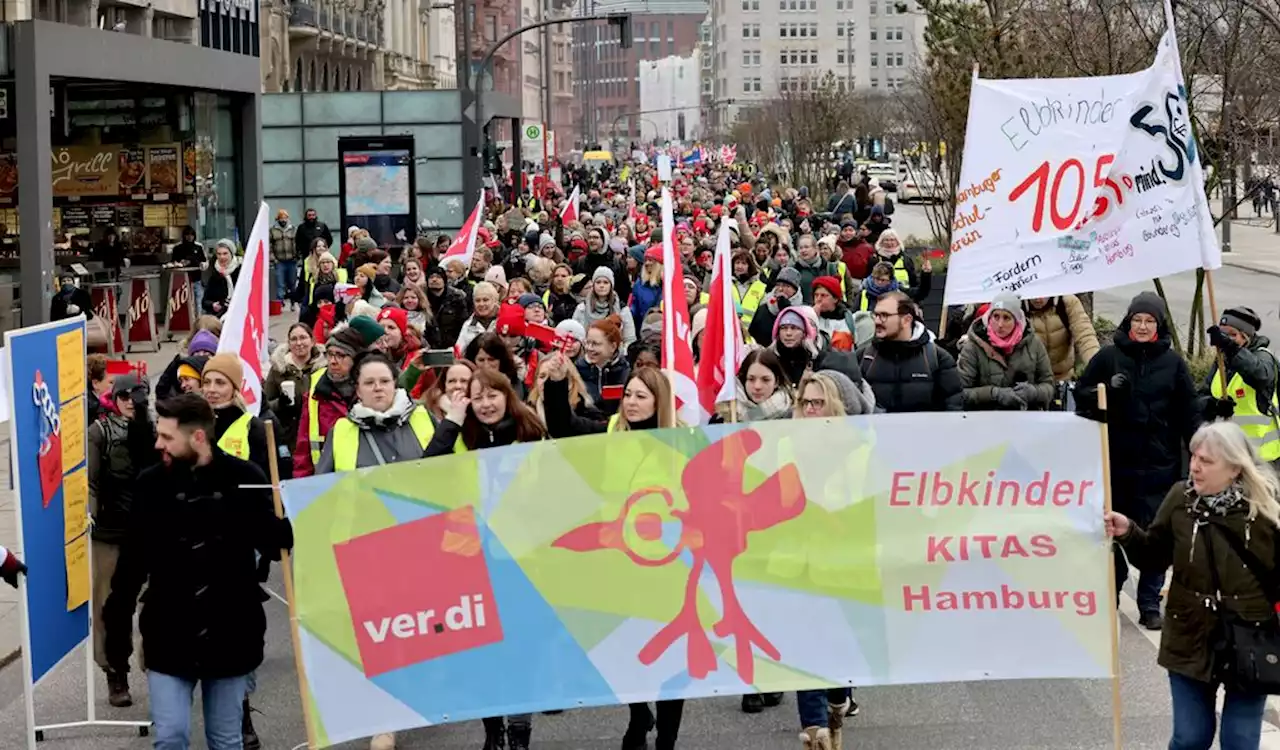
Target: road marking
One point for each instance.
(1129, 608)
(276, 596)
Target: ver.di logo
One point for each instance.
(1169, 121)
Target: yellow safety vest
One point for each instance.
(346, 438)
(311, 283)
(235, 441)
(613, 424)
(751, 301)
(313, 418)
(899, 271)
(1263, 430)
(864, 300)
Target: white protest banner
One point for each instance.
(1077, 184)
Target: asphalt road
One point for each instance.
(1044, 714)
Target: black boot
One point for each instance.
(772, 699)
(118, 689)
(250, 735)
(752, 703)
(637, 735)
(518, 736)
(495, 735)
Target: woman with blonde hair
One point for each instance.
(827, 393)
(579, 399)
(1218, 531)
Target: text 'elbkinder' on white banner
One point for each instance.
(1077, 184)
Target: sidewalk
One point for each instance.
(1253, 247)
(10, 617)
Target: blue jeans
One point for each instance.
(197, 294)
(1194, 718)
(814, 705)
(286, 278)
(171, 711)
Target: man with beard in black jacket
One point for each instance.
(907, 370)
(307, 232)
(1151, 413)
(196, 523)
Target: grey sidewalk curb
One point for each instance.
(1245, 265)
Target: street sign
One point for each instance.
(533, 132)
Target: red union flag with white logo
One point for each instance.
(722, 346)
(244, 327)
(677, 349)
(570, 210)
(464, 243)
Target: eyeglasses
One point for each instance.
(815, 404)
(883, 316)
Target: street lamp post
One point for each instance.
(621, 20)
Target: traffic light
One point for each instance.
(492, 158)
(623, 22)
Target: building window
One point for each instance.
(888, 7)
(872, 8)
(875, 59)
(875, 83)
(755, 58)
(874, 32)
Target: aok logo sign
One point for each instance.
(418, 591)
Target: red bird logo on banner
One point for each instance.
(714, 531)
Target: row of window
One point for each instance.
(798, 57)
(810, 31)
(802, 6)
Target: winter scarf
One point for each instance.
(226, 271)
(1007, 343)
(796, 300)
(777, 406)
(401, 408)
(1219, 503)
(876, 291)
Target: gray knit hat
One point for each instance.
(849, 394)
(790, 276)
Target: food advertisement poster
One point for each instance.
(164, 170)
(133, 168)
(85, 171)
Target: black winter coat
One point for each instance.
(560, 307)
(1149, 419)
(588, 264)
(192, 537)
(614, 372)
(914, 375)
(217, 290)
(119, 449)
(258, 453)
(450, 310)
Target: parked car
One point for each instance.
(885, 174)
(924, 187)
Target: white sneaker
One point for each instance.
(385, 741)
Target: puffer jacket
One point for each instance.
(596, 378)
(983, 369)
(1064, 328)
(119, 449)
(644, 297)
(390, 429)
(450, 310)
(473, 329)
(1186, 643)
(587, 313)
(912, 375)
(284, 369)
(1149, 420)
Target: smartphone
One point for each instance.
(611, 392)
(438, 358)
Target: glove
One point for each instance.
(11, 568)
(1027, 393)
(1222, 342)
(1119, 382)
(1008, 398)
(1223, 408)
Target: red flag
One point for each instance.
(244, 327)
(722, 345)
(464, 243)
(677, 350)
(634, 212)
(570, 211)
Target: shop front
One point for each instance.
(116, 144)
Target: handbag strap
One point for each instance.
(1265, 578)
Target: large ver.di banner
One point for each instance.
(1078, 184)
(701, 561)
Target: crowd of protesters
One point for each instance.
(554, 329)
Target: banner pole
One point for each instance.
(286, 569)
(1213, 314)
(1111, 577)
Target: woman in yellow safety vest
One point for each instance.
(647, 404)
(1251, 380)
(237, 432)
(748, 289)
(913, 282)
(325, 273)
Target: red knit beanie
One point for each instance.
(510, 321)
(397, 316)
(830, 283)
